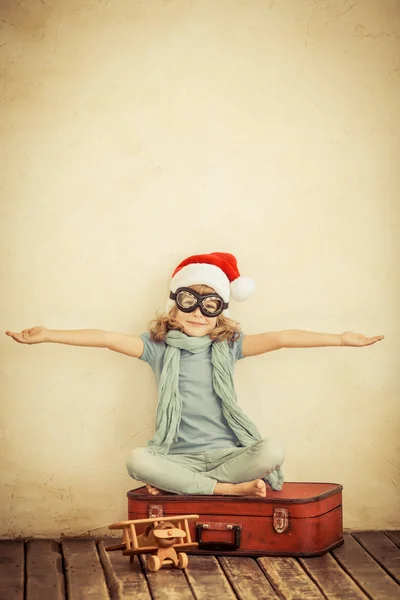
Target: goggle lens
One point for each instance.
(212, 305)
(186, 300)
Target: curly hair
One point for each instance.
(225, 328)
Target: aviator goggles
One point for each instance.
(187, 300)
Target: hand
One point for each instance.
(34, 335)
(349, 338)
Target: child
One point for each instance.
(203, 443)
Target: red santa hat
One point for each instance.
(218, 270)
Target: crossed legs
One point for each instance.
(238, 472)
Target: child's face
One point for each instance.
(194, 323)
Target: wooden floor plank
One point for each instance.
(207, 579)
(44, 571)
(394, 536)
(12, 568)
(334, 582)
(84, 572)
(246, 578)
(168, 582)
(366, 566)
(126, 580)
(289, 579)
(365, 571)
(382, 549)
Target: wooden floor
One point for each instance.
(366, 566)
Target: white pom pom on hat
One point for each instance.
(218, 270)
(242, 288)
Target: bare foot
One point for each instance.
(257, 488)
(152, 490)
(253, 488)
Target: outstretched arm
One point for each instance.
(292, 338)
(96, 338)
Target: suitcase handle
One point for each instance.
(218, 546)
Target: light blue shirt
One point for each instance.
(203, 426)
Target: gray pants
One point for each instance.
(198, 473)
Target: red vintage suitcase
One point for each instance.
(304, 519)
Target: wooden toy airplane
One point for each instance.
(160, 539)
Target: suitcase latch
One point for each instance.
(280, 519)
(156, 510)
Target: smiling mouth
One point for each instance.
(195, 324)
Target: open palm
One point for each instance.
(33, 335)
(349, 338)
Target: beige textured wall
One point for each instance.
(136, 133)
